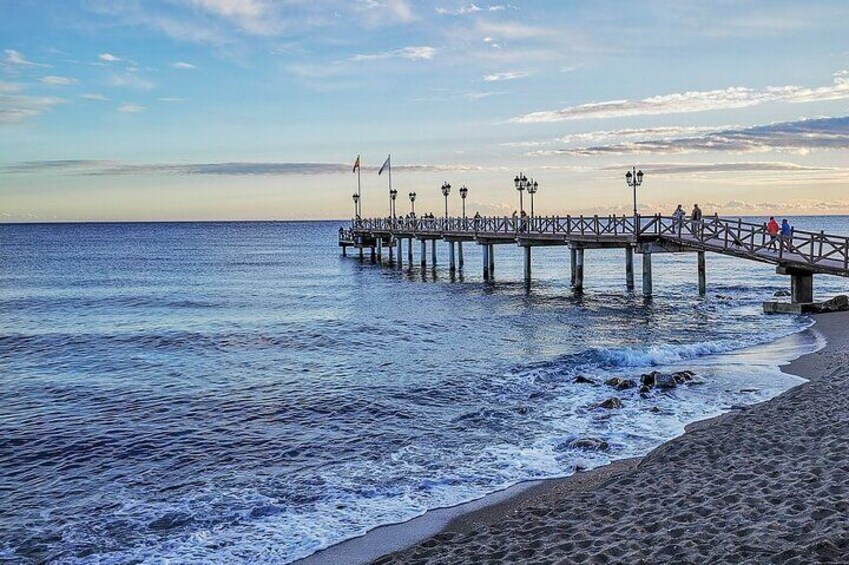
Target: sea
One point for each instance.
(239, 392)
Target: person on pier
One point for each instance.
(695, 219)
(772, 229)
(678, 216)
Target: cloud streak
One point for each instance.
(117, 168)
(801, 136)
(412, 53)
(693, 101)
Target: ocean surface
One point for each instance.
(241, 393)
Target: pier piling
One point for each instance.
(424, 253)
(433, 253)
(629, 267)
(485, 262)
(579, 269)
(460, 254)
(379, 244)
(491, 259)
(702, 274)
(410, 251)
(527, 249)
(451, 265)
(647, 282)
(573, 263)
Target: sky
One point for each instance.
(142, 110)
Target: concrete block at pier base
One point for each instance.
(771, 307)
(839, 303)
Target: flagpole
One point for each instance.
(359, 192)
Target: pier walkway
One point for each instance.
(800, 255)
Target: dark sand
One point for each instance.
(767, 484)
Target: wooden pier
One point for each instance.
(800, 255)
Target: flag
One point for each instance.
(356, 164)
(385, 164)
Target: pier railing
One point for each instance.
(732, 236)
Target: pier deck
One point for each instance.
(800, 255)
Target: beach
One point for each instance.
(768, 483)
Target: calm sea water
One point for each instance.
(240, 393)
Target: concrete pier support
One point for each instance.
(579, 270)
(491, 259)
(424, 253)
(527, 250)
(702, 274)
(372, 254)
(801, 284)
(647, 282)
(629, 267)
(573, 263)
(451, 265)
(485, 262)
(361, 253)
(400, 252)
(379, 244)
(410, 251)
(391, 247)
(433, 253)
(460, 255)
(344, 251)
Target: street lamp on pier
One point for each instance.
(634, 178)
(413, 203)
(463, 193)
(392, 195)
(532, 187)
(356, 205)
(521, 183)
(446, 190)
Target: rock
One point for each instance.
(723, 297)
(589, 444)
(681, 377)
(619, 383)
(611, 403)
(645, 389)
(649, 379)
(581, 379)
(839, 303)
(662, 380)
(655, 410)
(781, 293)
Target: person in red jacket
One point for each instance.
(772, 229)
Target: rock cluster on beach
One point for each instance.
(656, 379)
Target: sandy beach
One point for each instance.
(765, 484)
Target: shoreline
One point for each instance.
(392, 540)
(768, 482)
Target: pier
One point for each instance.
(799, 256)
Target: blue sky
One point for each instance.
(255, 109)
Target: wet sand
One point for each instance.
(765, 484)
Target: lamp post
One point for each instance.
(532, 187)
(392, 195)
(463, 193)
(413, 203)
(521, 183)
(634, 178)
(446, 190)
(356, 205)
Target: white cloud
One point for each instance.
(52, 80)
(171, 100)
(693, 101)
(93, 96)
(183, 65)
(131, 108)
(413, 53)
(16, 58)
(18, 107)
(10, 87)
(108, 57)
(130, 80)
(470, 9)
(506, 76)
